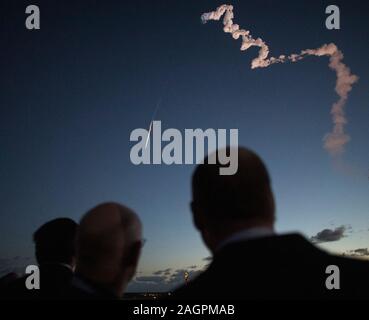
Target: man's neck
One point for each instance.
(90, 284)
(61, 264)
(245, 234)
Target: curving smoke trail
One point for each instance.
(334, 141)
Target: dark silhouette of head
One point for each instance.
(109, 245)
(55, 242)
(225, 204)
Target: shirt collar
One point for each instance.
(79, 281)
(58, 264)
(247, 234)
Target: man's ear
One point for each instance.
(197, 216)
(73, 263)
(134, 254)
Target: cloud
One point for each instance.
(330, 235)
(145, 286)
(178, 275)
(165, 282)
(155, 279)
(208, 258)
(160, 272)
(361, 252)
(15, 264)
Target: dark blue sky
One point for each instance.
(73, 91)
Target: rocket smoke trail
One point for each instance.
(334, 142)
(152, 119)
(148, 134)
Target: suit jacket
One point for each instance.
(54, 280)
(276, 267)
(82, 288)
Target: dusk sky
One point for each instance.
(73, 91)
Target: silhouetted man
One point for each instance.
(235, 215)
(108, 246)
(55, 250)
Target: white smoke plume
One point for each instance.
(334, 142)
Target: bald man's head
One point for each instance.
(109, 241)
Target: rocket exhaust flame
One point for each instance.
(334, 142)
